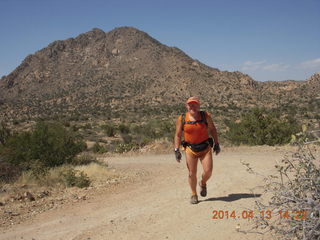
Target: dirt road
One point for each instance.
(156, 206)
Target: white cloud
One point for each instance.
(276, 67)
(262, 65)
(251, 65)
(314, 63)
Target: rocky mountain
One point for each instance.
(126, 72)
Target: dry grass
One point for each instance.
(97, 172)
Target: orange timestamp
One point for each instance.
(263, 214)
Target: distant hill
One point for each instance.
(125, 72)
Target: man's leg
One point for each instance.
(206, 162)
(192, 163)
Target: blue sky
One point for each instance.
(269, 40)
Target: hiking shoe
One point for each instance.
(203, 189)
(194, 199)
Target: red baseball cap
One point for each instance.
(193, 100)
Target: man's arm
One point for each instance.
(212, 129)
(177, 139)
(178, 135)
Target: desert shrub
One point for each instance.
(74, 178)
(142, 140)
(97, 148)
(4, 133)
(15, 122)
(136, 129)
(8, 171)
(294, 195)
(87, 126)
(167, 129)
(124, 129)
(66, 123)
(83, 159)
(48, 145)
(137, 135)
(109, 129)
(54, 145)
(75, 128)
(38, 169)
(150, 130)
(259, 127)
(16, 151)
(123, 147)
(126, 138)
(155, 129)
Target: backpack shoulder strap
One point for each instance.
(204, 117)
(183, 120)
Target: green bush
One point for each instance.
(4, 133)
(17, 150)
(87, 126)
(122, 147)
(124, 129)
(97, 148)
(258, 127)
(109, 130)
(8, 171)
(155, 129)
(48, 145)
(38, 169)
(137, 135)
(74, 178)
(126, 138)
(83, 159)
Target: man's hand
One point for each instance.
(216, 148)
(178, 154)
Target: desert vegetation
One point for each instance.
(60, 145)
(291, 209)
(261, 127)
(48, 145)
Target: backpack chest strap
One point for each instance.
(194, 122)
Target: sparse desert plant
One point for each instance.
(98, 172)
(8, 171)
(68, 176)
(75, 178)
(123, 147)
(97, 148)
(127, 139)
(293, 207)
(4, 133)
(109, 129)
(124, 129)
(83, 159)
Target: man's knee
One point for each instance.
(207, 172)
(192, 174)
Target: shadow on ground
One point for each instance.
(233, 197)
